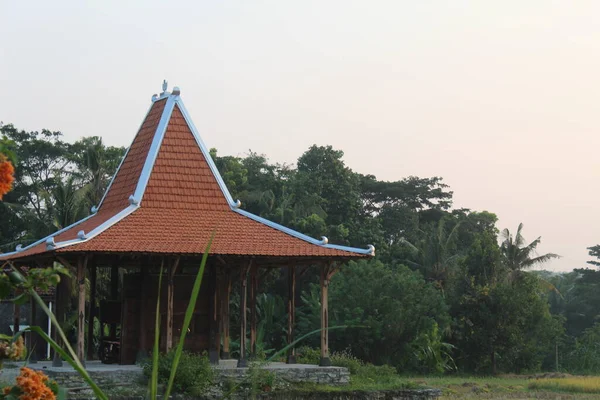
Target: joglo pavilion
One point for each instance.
(161, 208)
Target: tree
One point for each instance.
(517, 256)
(594, 251)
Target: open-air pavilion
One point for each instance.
(164, 203)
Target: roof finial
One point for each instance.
(164, 85)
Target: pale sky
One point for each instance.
(500, 98)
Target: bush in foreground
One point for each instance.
(194, 374)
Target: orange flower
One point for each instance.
(33, 385)
(6, 175)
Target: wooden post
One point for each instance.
(242, 362)
(213, 322)
(253, 316)
(325, 276)
(225, 315)
(291, 356)
(16, 316)
(92, 311)
(32, 335)
(60, 297)
(81, 265)
(114, 295)
(170, 296)
(142, 353)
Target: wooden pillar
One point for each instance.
(170, 299)
(325, 361)
(225, 315)
(61, 295)
(32, 335)
(92, 311)
(213, 322)
(242, 362)
(142, 353)
(114, 295)
(81, 265)
(16, 316)
(291, 308)
(253, 316)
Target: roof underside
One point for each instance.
(181, 202)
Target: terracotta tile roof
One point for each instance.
(183, 202)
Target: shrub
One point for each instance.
(194, 374)
(308, 355)
(347, 360)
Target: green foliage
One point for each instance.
(433, 354)
(390, 306)
(194, 374)
(584, 358)
(594, 251)
(345, 359)
(308, 355)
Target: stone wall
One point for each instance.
(323, 375)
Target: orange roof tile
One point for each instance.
(168, 197)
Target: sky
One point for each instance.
(501, 99)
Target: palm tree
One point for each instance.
(436, 254)
(518, 256)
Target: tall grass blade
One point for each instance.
(154, 378)
(71, 356)
(188, 318)
(73, 362)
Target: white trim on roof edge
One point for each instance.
(85, 236)
(97, 207)
(188, 119)
(20, 248)
(159, 135)
(235, 205)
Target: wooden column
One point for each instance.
(32, 335)
(225, 315)
(327, 272)
(81, 265)
(213, 322)
(16, 316)
(114, 294)
(242, 362)
(170, 298)
(291, 308)
(92, 311)
(61, 296)
(253, 316)
(142, 352)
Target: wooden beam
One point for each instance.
(291, 309)
(325, 361)
(92, 311)
(242, 362)
(225, 315)
(170, 298)
(81, 266)
(253, 316)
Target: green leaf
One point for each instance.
(188, 317)
(73, 362)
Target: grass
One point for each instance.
(574, 384)
(511, 387)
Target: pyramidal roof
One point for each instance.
(167, 196)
